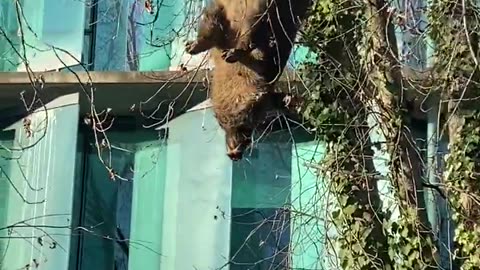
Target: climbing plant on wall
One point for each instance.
(339, 117)
(455, 29)
(358, 73)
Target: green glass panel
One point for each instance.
(6, 143)
(147, 207)
(77, 201)
(263, 180)
(311, 202)
(157, 37)
(265, 188)
(41, 30)
(9, 47)
(40, 182)
(111, 35)
(188, 31)
(196, 229)
(261, 199)
(123, 226)
(100, 215)
(260, 239)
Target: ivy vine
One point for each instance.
(368, 237)
(455, 30)
(464, 186)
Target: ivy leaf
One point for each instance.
(348, 211)
(407, 248)
(404, 232)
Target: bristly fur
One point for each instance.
(250, 48)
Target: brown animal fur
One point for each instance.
(239, 35)
(256, 33)
(240, 103)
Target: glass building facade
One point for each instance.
(103, 35)
(176, 202)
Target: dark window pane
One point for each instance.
(121, 228)
(260, 238)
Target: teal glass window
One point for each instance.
(275, 194)
(9, 58)
(131, 39)
(122, 217)
(260, 228)
(6, 143)
(36, 185)
(39, 23)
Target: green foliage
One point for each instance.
(335, 114)
(368, 239)
(337, 33)
(454, 50)
(409, 246)
(454, 30)
(463, 182)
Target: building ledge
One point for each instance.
(123, 92)
(99, 77)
